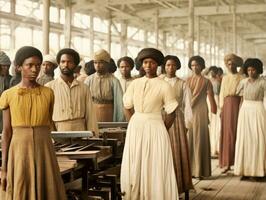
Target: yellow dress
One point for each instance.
(32, 171)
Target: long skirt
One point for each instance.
(229, 117)
(32, 171)
(147, 171)
(104, 112)
(215, 128)
(250, 156)
(179, 144)
(199, 141)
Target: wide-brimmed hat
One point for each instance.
(153, 53)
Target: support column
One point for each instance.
(156, 25)
(210, 43)
(146, 43)
(225, 43)
(234, 24)
(109, 34)
(214, 44)
(205, 48)
(123, 39)
(190, 28)
(13, 27)
(91, 36)
(32, 35)
(198, 35)
(185, 56)
(67, 27)
(45, 26)
(58, 34)
(165, 42)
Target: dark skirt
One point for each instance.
(179, 144)
(229, 117)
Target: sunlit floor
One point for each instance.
(227, 187)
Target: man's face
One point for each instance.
(5, 70)
(67, 65)
(100, 66)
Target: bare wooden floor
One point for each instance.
(227, 187)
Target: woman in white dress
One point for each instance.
(250, 155)
(147, 170)
(215, 120)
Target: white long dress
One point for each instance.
(215, 120)
(250, 154)
(147, 171)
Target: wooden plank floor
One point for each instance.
(227, 187)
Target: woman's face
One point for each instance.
(31, 68)
(125, 69)
(252, 72)
(150, 67)
(196, 68)
(170, 68)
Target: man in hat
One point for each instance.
(229, 102)
(73, 108)
(48, 66)
(105, 90)
(5, 77)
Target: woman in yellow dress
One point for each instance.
(29, 166)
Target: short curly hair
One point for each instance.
(255, 63)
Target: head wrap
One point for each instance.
(127, 59)
(102, 55)
(26, 52)
(50, 58)
(171, 57)
(4, 59)
(255, 63)
(153, 53)
(70, 52)
(238, 61)
(199, 60)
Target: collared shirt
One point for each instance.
(125, 83)
(229, 86)
(150, 95)
(253, 91)
(73, 102)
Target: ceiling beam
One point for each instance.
(206, 10)
(255, 36)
